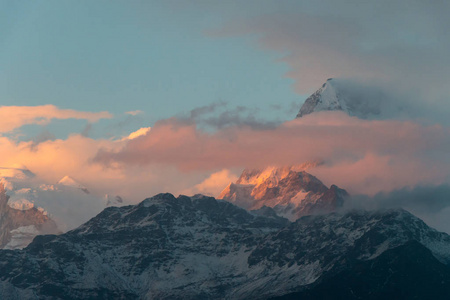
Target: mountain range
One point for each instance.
(202, 248)
(27, 203)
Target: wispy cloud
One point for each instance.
(218, 115)
(134, 112)
(135, 134)
(12, 117)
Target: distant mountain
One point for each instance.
(291, 192)
(67, 202)
(18, 227)
(365, 102)
(325, 98)
(202, 248)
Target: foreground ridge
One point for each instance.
(170, 247)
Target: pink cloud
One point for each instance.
(359, 154)
(53, 159)
(12, 117)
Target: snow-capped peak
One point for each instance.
(328, 97)
(70, 182)
(362, 100)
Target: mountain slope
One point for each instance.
(292, 193)
(201, 248)
(409, 271)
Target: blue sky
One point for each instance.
(123, 56)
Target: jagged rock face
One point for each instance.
(19, 227)
(201, 248)
(291, 193)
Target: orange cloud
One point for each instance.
(213, 185)
(140, 132)
(12, 117)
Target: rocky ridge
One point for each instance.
(202, 248)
